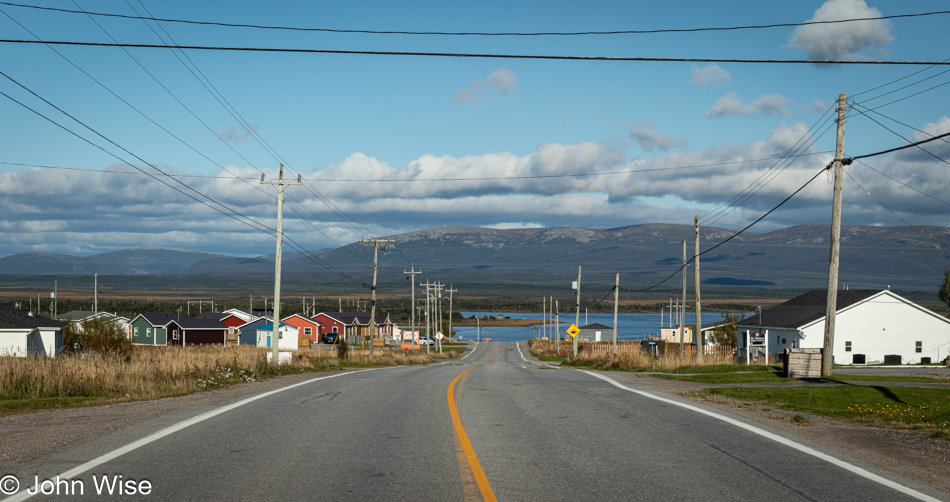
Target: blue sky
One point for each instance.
(441, 126)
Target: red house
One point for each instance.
(232, 322)
(308, 327)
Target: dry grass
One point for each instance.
(154, 372)
(630, 357)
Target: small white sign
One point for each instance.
(439, 336)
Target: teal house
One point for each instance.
(150, 328)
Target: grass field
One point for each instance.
(924, 409)
(774, 374)
(29, 383)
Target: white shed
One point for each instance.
(24, 334)
(869, 324)
(288, 336)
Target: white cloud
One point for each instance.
(842, 41)
(500, 82)
(732, 104)
(586, 184)
(708, 75)
(649, 139)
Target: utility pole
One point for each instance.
(544, 317)
(438, 307)
(577, 317)
(450, 291)
(557, 326)
(699, 308)
(616, 308)
(827, 351)
(95, 289)
(275, 338)
(427, 285)
(55, 298)
(412, 313)
(372, 314)
(683, 311)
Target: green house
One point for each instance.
(149, 328)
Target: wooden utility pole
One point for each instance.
(450, 291)
(616, 308)
(412, 277)
(683, 308)
(699, 310)
(544, 317)
(427, 285)
(372, 312)
(275, 338)
(557, 326)
(827, 352)
(95, 289)
(577, 317)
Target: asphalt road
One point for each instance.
(488, 426)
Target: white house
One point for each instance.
(288, 336)
(79, 317)
(25, 334)
(869, 324)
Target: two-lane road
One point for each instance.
(489, 425)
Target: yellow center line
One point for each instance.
(470, 458)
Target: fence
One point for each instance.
(659, 349)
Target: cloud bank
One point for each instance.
(843, 41)
(587, 184)
(499, 83)
(732, 104)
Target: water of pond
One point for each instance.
(629, 326)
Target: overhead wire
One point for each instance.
(489, 34)
(480, 55)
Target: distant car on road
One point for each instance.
(426, 341)
(330, 337)
(486, 339)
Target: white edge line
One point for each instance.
(518, 345)
(118, 452)
(779, 439)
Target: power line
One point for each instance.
(476, 55)
(485, 34)
(848, 160)
(940, 244)
(894, 81)
(902, 137)
(733, 236)
(905, 184)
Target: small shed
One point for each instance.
(247, 333)
(595, 332)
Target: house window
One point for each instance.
(307, 331)
(148, 332)
(334, 329)
(847, 346)
(919, 347)
(174, 334)
(135, 332)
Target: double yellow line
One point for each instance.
(469, 466)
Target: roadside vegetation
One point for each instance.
(630, 358)
(100, 368)
(921, 409)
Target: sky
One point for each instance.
(387, 144)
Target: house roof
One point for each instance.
(77, 315)
(270, 327)
(192, 323)
(303, 318)
(11, 318)
(595, 326)
(217, 316)
(806, 308)
(348, 318)
(162, 318)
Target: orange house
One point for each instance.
(309, 328)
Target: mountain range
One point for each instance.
(794, 257)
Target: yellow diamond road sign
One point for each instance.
(573, 330)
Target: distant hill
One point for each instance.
(791, 258)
